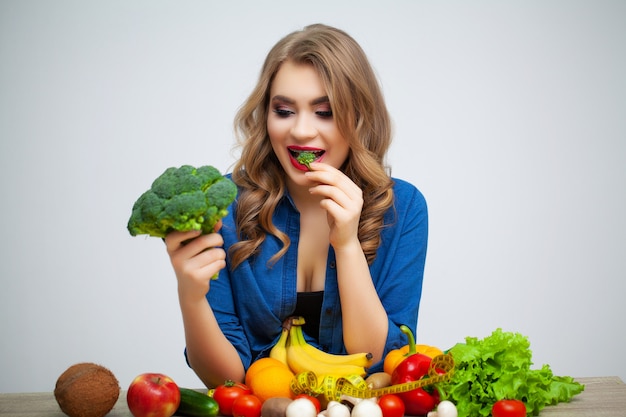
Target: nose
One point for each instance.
(304, 127)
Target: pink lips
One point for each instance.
(294, 151)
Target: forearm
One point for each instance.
(365, 322)
(211, 355)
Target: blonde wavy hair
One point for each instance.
(361, 116)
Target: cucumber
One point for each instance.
(196, 404)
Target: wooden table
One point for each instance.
(602, 397)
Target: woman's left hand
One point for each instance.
(343, 201)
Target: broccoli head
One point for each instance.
(305, 158)
(183, 199)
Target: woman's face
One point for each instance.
(300, 119)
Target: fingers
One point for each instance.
(203, 265)
(193, 242)
(195, 258)
(174, 240)
(336, 186)
(343, 201)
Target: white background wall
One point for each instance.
(509, 116)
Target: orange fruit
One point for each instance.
(272, 381)
(260, 364)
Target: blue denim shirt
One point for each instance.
(251, 302)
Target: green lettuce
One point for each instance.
(499, 367)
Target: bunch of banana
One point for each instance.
(279, 350)
(293, 350)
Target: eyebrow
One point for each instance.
(284, 99)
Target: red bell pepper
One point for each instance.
(417, 402)
(396, 356)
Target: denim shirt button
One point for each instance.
(328, 311)
(332, 265)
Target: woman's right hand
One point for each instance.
(196, 258)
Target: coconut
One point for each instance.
(87, 390)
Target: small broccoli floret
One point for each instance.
(175, 181)
(184, 211)
(208, 175)
(146, 211)
(182, 199)
(220, 194)
(305, 158)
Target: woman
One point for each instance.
(339, 242)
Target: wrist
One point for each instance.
(191, 298)
(352, 247)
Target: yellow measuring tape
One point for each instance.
(333, 387)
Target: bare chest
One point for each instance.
(312, 258)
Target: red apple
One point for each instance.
(153, 395)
